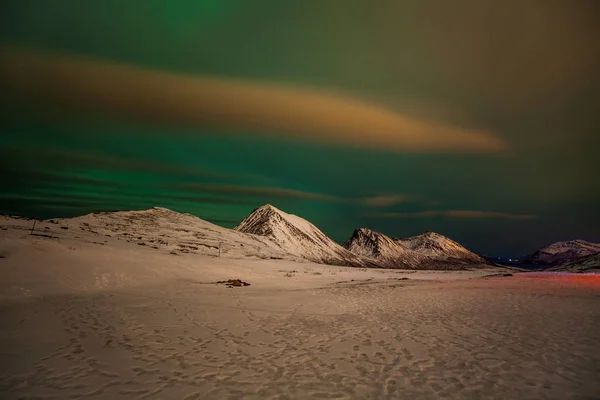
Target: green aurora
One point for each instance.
(525, 72)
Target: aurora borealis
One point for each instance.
(474, 119)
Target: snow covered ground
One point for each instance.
(85, 315)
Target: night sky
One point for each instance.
(476, 119)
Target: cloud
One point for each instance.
(386, 200)
(457, 214)
(276, 192)
(139, 94)
(258, 191)
(72, 159)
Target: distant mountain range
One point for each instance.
(269, 233)
(563, 252)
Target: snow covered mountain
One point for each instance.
(562, 252)
(385, 250)
(164, 229)
(427, 251)
(298, 237)
(269, 233)
(590, 263)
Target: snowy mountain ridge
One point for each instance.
(298, 237)
(380, 247)
(164, 229)
(434, 244)
(269, 233)
(562, 252)
(427, 251)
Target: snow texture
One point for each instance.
(87, 315)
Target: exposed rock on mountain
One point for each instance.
(590, 263)
(387, 251)
(298, 237)
(427, 251)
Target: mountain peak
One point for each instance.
(161, 210)
(296, 236)
(369, 243)
(428, 250)
(574, 242)
(565, 251)
(364, 232)
(268, 207)
(431, 235)
(432, 242)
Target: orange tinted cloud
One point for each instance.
(259, 191)
(458, 214)
(267, 109)
(386, 200)
(279, 192)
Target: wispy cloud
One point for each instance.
(266, 192)
(64, 171)
(268, 109)
(71, 159)
(386, 200)
(456, 214)
(257, 191)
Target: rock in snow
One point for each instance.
(563, 252)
